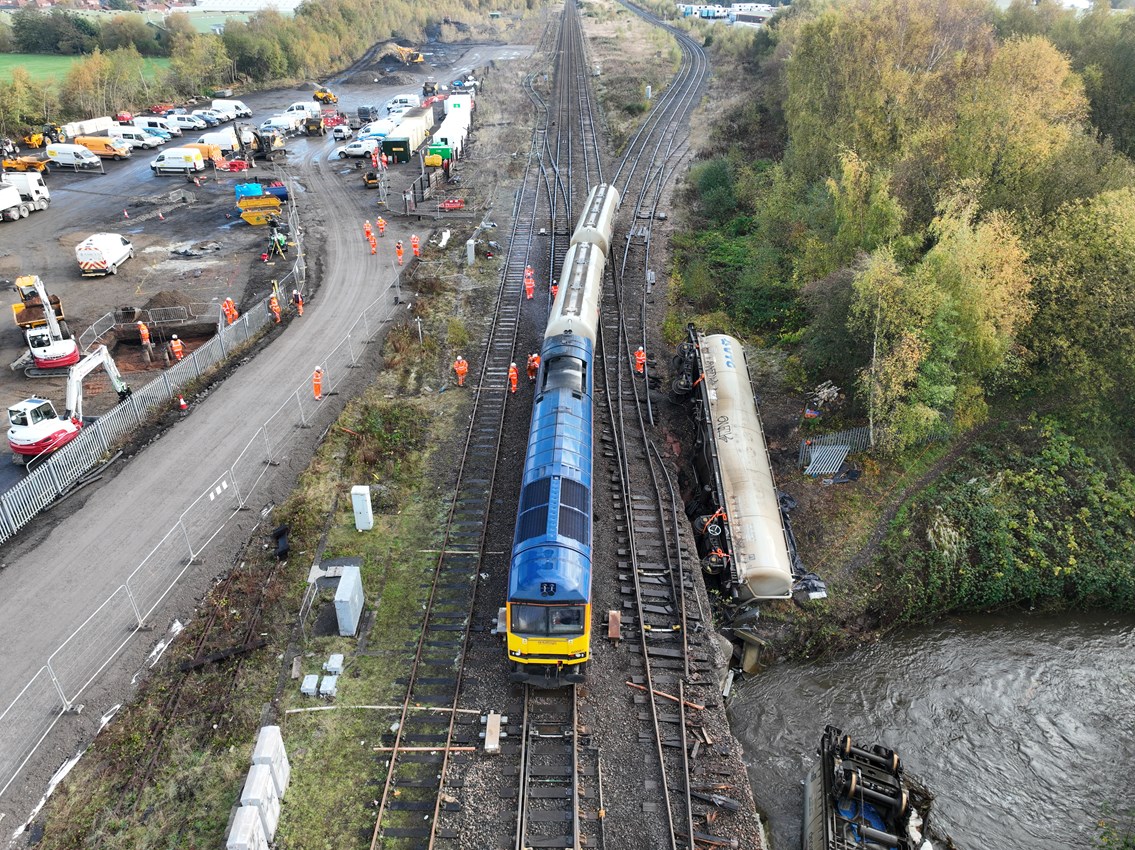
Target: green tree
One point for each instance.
(1083, 333)
(1016, 118)
(199, 62)
(129, 31)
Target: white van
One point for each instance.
(408, 101)
(307, 108)
(31, 186)
(235, 107)
(181, 160)
(187, 122)
(144, 122)
(286, 124)
(377, 129)
(73, 156)
(225, 139)
(103, 253)
(133, 137)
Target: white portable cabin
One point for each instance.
(415, 127)
(260, 794)
(269, 750)
(246, 832)
(463, 101)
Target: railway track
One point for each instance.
(560, 802)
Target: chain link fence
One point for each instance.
(78, 661)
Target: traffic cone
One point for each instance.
(125, 214)
(181, 405)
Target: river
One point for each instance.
(1022, 727)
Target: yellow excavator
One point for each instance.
(325, 95)
(408, 55)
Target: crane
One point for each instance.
(36, 429)
(49, 341)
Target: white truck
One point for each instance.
(305, 108)
(12, 203)
(31, 187)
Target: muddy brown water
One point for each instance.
(1021, 726)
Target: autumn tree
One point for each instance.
(1083, 334)
(129, 31)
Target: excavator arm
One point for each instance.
(99, 356)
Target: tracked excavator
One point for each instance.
(408, 55)
(51, 347)
(35, 428)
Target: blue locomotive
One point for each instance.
(548, 608)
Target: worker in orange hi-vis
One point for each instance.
(317, 383)
(529, 274)
(274, 307)
(228, 313)
(513, 377)
(297, 299)
(640, 361)
(416, 245)
(373, 245)
(398, 250)
(234, 313)
(461, 367)
(176, 347)
(529, 288)
(366, 230)
(554, 289)
(381, 226)
(144, 333)
(533, 366)
(384, 160)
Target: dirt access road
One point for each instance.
(59, 570)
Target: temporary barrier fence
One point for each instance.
(83, 655)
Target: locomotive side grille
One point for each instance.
(533, 523)
(536, 493)
(574, 524)
(573, 494)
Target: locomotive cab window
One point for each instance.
(545, 621)
(565, 373)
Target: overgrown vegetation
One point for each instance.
(934, 207)
(385, 443)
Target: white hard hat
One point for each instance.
(512, 364)
(640, 348)
(139, 321)
(175, 336)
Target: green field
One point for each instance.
(201, 22)
(53, 69)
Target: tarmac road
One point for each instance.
(54, 577)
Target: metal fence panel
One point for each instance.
(209, 512)
(281, 425)
(25, 722)
(161, 569)
(28, 498)
(250, 465)
(92, 646)
(92, 334)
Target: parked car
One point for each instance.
(208, 116)
(342, 132)
(359, 147)
(188, 122)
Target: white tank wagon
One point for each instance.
(760, 554)
(576, 308)
(597, 224)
